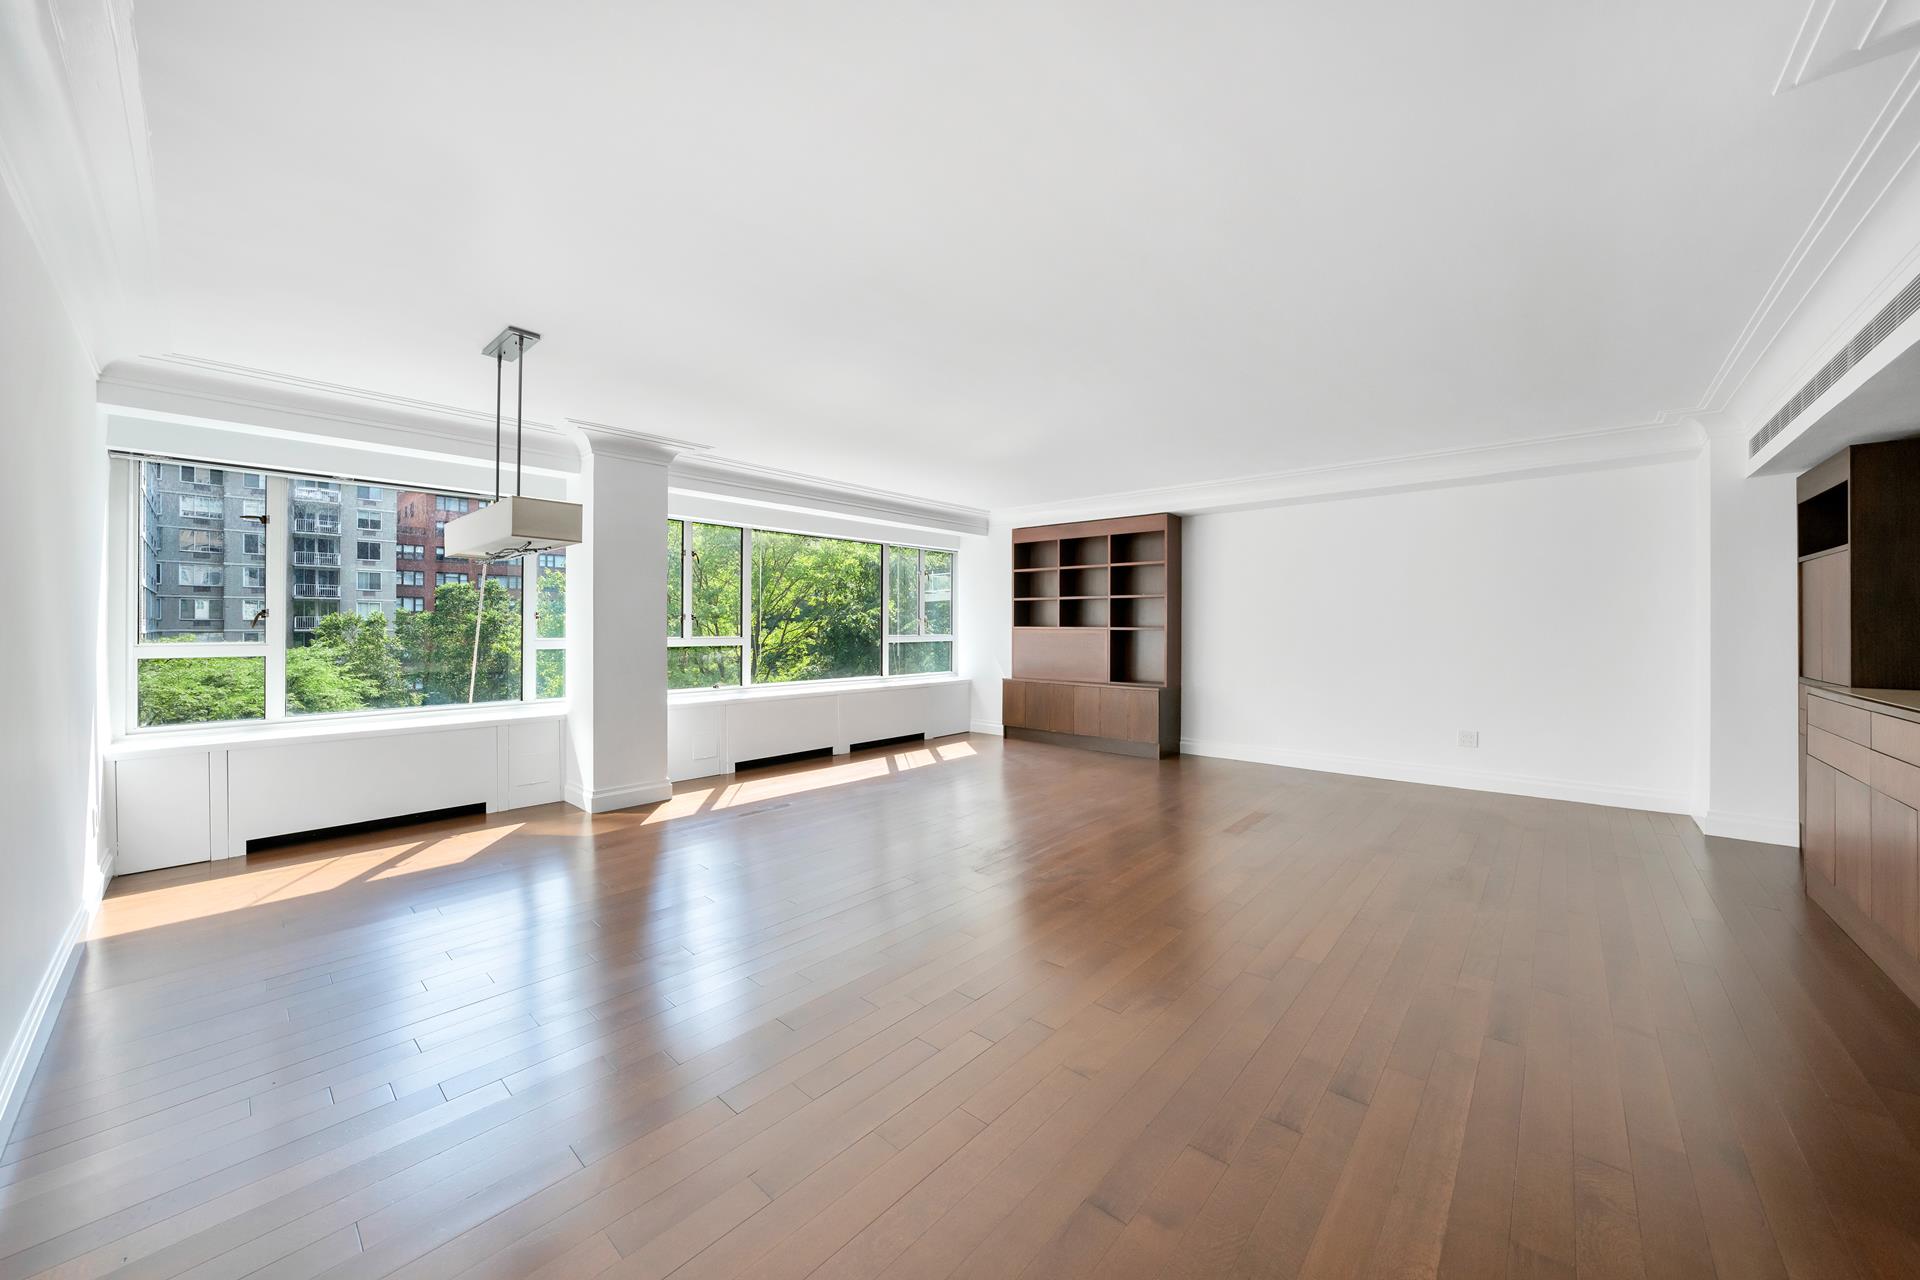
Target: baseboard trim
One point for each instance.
(1513, 784)
(609, 799)
(30, 1038)
(1750, 827)
(993, 727)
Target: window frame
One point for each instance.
(128, 650)
(743, 642)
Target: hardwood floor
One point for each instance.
(980, 1009)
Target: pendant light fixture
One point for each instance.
(513, 525)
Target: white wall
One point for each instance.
(1752, 788)
(51, 527)
(1555, 616)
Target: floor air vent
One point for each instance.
(264, 844)
(1891, 317)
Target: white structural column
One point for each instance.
(617, 623)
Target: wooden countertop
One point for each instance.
(1904, 703)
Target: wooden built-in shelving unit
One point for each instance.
(1097, 603)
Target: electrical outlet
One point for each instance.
(1469, 737)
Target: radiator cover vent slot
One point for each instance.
(1891, 317)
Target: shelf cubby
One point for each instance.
(1036, 613)
(1083, 613)
(1084, 582)
(1139, 657)
(1139, 611)
(1036, 555)
(1131, 548)
(1039, 584)
(1090, 550)
(1138, 580)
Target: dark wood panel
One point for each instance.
(1086, 710)
(1896, 871)
(1013, 703)
(1063, 654)
(1822, 778)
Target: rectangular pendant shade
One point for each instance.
(513, 526)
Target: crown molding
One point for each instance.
(1487, 464)
(1839, 35)
(1798, 324)
(188, 387)
(74, 157)
(769, 486)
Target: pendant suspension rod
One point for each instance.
(499, 369)
(519, 403)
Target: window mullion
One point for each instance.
(746, 595)
(279, 596)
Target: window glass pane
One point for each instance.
(918, 657)
(703, 666)
(816, 608)
(936, 586)
(903, 591)
(675, 605)
(716, 580)
(374, 638)
(201, 690)
(550, 605)
(550, 673)
(198, 556)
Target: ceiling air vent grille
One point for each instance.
(1891, 317)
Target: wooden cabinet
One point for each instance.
(1096, 634)
(1130, 720)
(1860, 828)
(1859, 542)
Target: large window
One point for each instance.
(350, 640)
(808, 608)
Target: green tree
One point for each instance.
(816, 608)
(436, 648)
(349, 664)
(196, 690)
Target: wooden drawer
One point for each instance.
(1896, 737)
(1849, 757)
(1851, 723)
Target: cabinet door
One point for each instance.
(1818, 851)
(1013, 704)
(1836, 642)
(1853, 840)
(1812, 634)
(1086, 710)
(1896, 871)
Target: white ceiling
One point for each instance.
(997, 253)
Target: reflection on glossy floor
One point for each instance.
(986, 1010)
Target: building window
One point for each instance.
(253, 544)
(439, 553)
(199, 575)
(200, 542)
(254, 480)
(919, 611)
(254, 507)
(444, 503)
(198, 609)
(411, 604)
(253, 577)
(511, 581)
(449, 579)
(201, 507)
(369, 522)
(368, 552)
(553, 560)
(369, 582)
(411, 578)
(368, 495)
(810, 607)
(409, 550)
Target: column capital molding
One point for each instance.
(599, 439)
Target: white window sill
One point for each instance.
(328, 728)
(806, 689)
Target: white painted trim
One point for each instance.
(622, 442)
(1746, 826)
(199, 391)
(30, 1037)
(788, 490)
(608, 799)
(1433, 775)
(1560, 455)
(991, 727)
